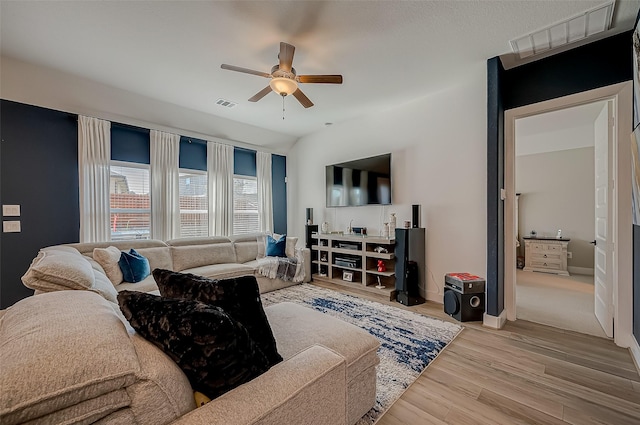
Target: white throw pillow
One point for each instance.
(108, 258)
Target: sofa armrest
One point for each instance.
(309, 388)
(306, 261)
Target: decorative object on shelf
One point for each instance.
(392, 222)
(385, 230)
(381, 266)
(407, 224)
(534, 233)
(347, 276)
(559, 235)
(323, 258)
(381, 250)
(325, 227)
(379, 285)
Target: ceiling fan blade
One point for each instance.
(245, 70)
(286, 56)
(304, 100)
(262, 93)
(326, 79)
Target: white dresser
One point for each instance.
(548, 255)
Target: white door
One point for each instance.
(603, 249)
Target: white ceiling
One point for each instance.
(389, 52)
(570, 128)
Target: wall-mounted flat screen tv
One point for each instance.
(364, 181)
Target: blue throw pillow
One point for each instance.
(276, 248)
(134, 266)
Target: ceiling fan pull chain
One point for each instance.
(283, 108)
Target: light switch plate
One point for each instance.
(11, 210)
(11, 226)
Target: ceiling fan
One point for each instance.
(284, 79)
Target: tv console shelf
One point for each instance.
(338, 257)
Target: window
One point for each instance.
(130, 201)
(194, 210)
(245, 204)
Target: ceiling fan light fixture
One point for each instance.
(283, 86)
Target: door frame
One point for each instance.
(622, 272)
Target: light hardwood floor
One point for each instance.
(525, 373)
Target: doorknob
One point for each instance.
(593, 243)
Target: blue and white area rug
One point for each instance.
(409, 341)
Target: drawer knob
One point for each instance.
(545, 255)
(545, 264)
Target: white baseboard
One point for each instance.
(634, 348)
(493, 321)
(580, 270)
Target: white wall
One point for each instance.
(557, 192)
(49, 88)
(438, 147)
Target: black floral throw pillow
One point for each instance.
(212, 349)
(239, 297)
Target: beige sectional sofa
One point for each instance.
(215, 257)
(70, 357)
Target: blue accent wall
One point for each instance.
(130, 144)
(39, 172)
(598, 64)
(279, 190)
(193, 153)
(495, 177)
(244, 162)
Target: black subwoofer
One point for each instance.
(463, 307)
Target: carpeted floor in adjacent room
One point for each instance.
(564, 302)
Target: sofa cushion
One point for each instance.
(238, 297)
(222, 271)
(213, 350)
(357, 346)
(246, 251)
(148, 284)
(62, 327)
(104, 287)
(190, 256)
(161, 384)
(135, 267)
(54, 270)
(108, 259)
(159, 257)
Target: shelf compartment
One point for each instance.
(387, 273)
(381, 255)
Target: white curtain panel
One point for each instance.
(265, 196)
(165, 185)
(220, 187)
(94, 154)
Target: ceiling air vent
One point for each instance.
(576, 28)
(226, 103)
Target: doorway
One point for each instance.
(620, 303)
(555, 159)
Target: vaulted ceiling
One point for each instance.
(389, 52)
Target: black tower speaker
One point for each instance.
(415, 215)
(463, 307)
(309, 216)
(410, 270)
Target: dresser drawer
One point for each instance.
(551, 265)
(545, 256)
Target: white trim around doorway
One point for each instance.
(621, 95)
